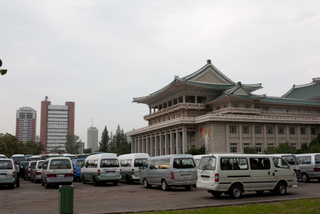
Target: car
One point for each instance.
(35, 172)
(7, 172)
(77, 164)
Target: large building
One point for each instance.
(92, 138)
(26, 124)
(206, 108)
(56, 122)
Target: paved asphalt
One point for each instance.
(32, 198)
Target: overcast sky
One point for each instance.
(102, 54)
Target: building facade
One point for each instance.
(26, 120)
(56, 122)
(92, 138)
(206, 108)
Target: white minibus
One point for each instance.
(101, 168)
(309, 166)
(71, 156)
(131, 164)
(233, 174)
(7, 172)
(293, 161)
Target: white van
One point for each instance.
(309, 166)
(101, 168)
(18, 158)
(131, 164)
(56, 170)
(197, 159)
(71, 156)
(169, 171)
(7, 172)
(233, 174)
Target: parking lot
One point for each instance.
(34, 198)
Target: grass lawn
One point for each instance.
(307, 206)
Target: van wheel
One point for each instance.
(164, 185)
(259, 192)
(281, 188)
(83, 180)
(188, 188)
(216, 194)
(46, 185)
(145, 183)
(115, 183)
(11, 186)
(128, 180)
(304, 178)
(94, 181)
(235, 191)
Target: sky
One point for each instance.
(102, 54)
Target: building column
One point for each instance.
(184, 140)
(240, 138)
(132, 144)
(161, 144)
(277, 136)
(143, 145)
(178, 147)
(166, 143)
(156, 145)
(152, 146)
(148, 144)
(288, 133)
(171, 143)
(227, 137)
(253, 135)
(265, 135)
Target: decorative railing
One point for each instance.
(234, 110)
(175, 108)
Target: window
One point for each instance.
(126, 163)
(60, 164)
(182, 163)
(302, 131)
(293, 146)
(245, 130)
(233, 148)
(292, 130)
(247, 106)
(313, 131)
(234, 164)
(281, 130)
(257, 129)
(233, 129)
(280, 163)
(305, 159)
(154, 164)
(259, 163)
(164, 164)
(139, 162)
(207, 163)
(236, 105)
(105, 163)
(269, 130)
(259, 147)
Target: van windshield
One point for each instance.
(292, 160)
(5, 164)
(60, 164)
(79, 163)
(182, 163)
(207, 163)
(139, 162)
(105, 163)
(19, 159)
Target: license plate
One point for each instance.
(204, 178)
(60, 176)
(109, 172)
(2, 176)
(185, 176)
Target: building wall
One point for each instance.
(92, 138)
(26, 124)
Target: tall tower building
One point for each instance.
(92, 138)
(56, 122)
(26, 124)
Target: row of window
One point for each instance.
(164, 119)
(258, 146)
(258, 130)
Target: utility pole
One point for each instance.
(2, 71)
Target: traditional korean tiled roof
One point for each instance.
(206, 77)
(290, 101)
(308, 91)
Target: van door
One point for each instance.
(184, 169)
(153, 172)
(282, 170)
(261, 174)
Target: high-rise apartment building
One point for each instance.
(92, 138)
(26, 124)
(56, 122)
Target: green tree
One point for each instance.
(119, 142)
(10, 145)
(73, 144)
(251, 150)
(195, 151)
(283, 148)
(105, 140)
(86, 151)
(34, 148)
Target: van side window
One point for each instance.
(145, 165)
(154, 164)
(260, 163)
(139, 162)
(280, 163)
(45, 165)
(317, 158)
(234, 164)
(164, 164)
(109, 163)
(305, 159)
(92, 164)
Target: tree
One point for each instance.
(119, 142)
(86, 151)
(73, 144)
(10, 145)
(34, 148)
(105, 140)
(283, 148)
(251, 150)
(195, 151)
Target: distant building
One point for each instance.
(92, 139)
(26, 124)
(56, 122)
(206, 108)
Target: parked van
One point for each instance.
(2, 156)
(35, 171)
(169, 171)
(101, 168)
(130, 166)
(56, 170)
(18, 158)
(197, 159)
(309, 166)
(233, 174)
(293, 161)
(77, 165)
(28, 169)
(34, 158)
(7, 172)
